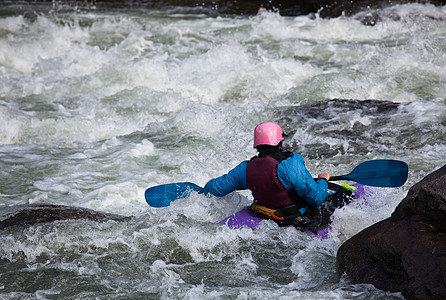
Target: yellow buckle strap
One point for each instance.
(260, 209)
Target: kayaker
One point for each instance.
(282, 187)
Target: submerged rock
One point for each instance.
(406, 252)
(29, 214)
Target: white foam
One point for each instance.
(426, 112)
(10, 127)
(378, 204)
(145, 148)
(13, 24)
(274, 27)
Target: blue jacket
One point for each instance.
(291, 172)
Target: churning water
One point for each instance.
(97, 105)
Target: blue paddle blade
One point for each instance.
(379, 173)
(163, 195)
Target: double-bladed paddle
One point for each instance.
(378, 173)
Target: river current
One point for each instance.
(96, 105)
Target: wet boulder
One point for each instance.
(29, 214)
(325, 8)
(407, 252)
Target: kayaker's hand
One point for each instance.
(325, 176)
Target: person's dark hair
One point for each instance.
(263, 149)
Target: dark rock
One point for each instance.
(29, 214)
(326, 8)
(406, 252)
(426, 201)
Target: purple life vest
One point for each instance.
(262, 180)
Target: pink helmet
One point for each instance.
(267, 133)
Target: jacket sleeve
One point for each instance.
(293, 173)
(227, 183)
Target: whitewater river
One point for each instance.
(97, 105)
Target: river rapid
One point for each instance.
(96, 105)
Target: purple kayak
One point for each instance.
(245, 217)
